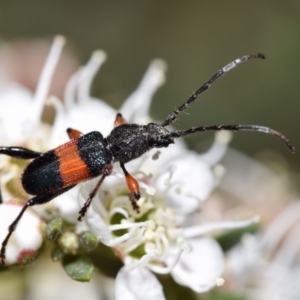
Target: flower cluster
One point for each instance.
(266, 265)
(167, 236)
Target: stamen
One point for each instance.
(134, 242)
(220, 281)
(288, 252)
(142, 261)
(158, 247)
(168, 269)
(280, 226)
(141, 98)
(121, 201)
(119, 210)
(166, 245)
(151, 248)
(56, 127)
(148, 189)
(46, 76)
(127, 225)
(195, 231)
(71, 87)
(170, 172)
(218, 148)
(57, 104)
(173, 185)
(88, 74)
(219, 170)
(197, 198)
(123, 238)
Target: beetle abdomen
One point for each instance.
(78, 160)
(42, 174)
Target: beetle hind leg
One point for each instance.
(38, 199)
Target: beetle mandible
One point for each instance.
(86, 156)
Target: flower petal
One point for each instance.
(95, 223)
(200, 267)
(26, 239)
(136, 107)
(15, 123)
(137, 284)
(89, 116)
(191, 182)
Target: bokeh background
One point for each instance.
(195, 38)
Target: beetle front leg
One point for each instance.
(106, 171)
(133, 187)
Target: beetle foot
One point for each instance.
(133, 197)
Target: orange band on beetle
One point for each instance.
(71, 166)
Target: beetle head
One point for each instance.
(158, 136)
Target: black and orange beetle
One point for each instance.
(90, 155)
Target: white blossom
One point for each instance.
(165, 237)
(174, 182)
(24, 244)
(266, 265)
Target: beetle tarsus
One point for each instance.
(133, 197)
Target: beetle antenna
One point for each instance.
(181, 133)
(172, 117)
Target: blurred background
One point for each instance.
(195, 38)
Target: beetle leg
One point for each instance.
(133, 187)
(106, 171)
(73, 133)
(19, 152)
(119, 120)
(38, 199)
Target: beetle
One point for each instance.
(90, 155)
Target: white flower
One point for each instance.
(174, 182)
(20, 124)
(266, 265)
(27, 239)
(20, 114)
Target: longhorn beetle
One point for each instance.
(90, 155)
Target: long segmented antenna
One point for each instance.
(172, 117)
(181, 133)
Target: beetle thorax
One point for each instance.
(129, 141)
